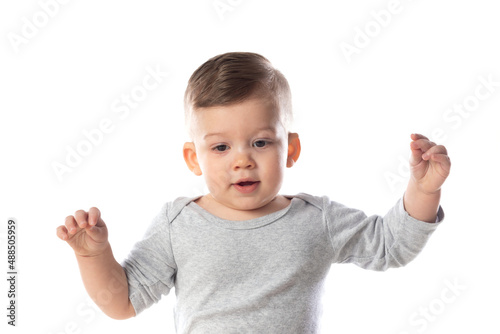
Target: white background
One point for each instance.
(354, 118)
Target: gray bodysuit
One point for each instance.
(263, 275)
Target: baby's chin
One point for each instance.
(250, 203)
(244, 208)
(259, 207)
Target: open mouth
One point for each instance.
(246, 183)
(246, 187)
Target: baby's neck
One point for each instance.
(208, 203)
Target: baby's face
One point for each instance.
(242, 153)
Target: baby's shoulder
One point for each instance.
(173, 208)
(321, 203)
(317, 202)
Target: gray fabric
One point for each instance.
(263, 275)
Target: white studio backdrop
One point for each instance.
(92, 115)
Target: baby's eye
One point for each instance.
(260, 143)
(220, 148)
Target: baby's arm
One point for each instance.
(103, 277)
(430, 166)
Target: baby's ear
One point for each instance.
(189, 151)
(293, 149)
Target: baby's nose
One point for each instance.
(243, 160)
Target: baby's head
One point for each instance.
(234, 77)
(238, 115)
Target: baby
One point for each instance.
(244, 258)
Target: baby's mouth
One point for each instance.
(246, 186)
(246, 183)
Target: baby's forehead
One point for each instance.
(251, 109)
(247, 116)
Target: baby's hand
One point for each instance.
(429, 164)
(85, 232)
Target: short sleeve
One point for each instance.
(150, 267)
(377, 242)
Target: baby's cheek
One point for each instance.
(280, 158)
(218, 177)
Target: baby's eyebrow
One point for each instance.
(215, 134)
(266, 129)
(211, 134)
(270, 129)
